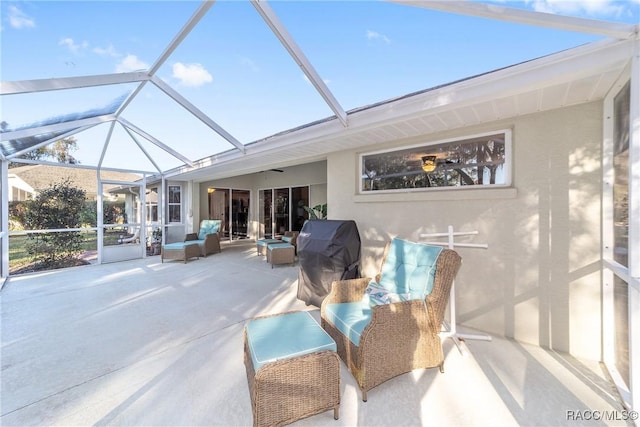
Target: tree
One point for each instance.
(59, 206)
(59, 150)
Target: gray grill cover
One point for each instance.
(328, 250)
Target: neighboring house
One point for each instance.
(19, 191)
(26, 181)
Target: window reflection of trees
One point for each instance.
(476, 161)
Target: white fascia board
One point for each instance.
(23, 133)
(299, 57)
(590, 26)
(197, 112)
(44, 85)
(551, 70)
(154, 141)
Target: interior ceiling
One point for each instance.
(579, 75)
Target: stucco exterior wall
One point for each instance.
(539, 280)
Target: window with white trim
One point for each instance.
(175, 203)
(473, 161)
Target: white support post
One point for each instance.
(4, 221)
(451, 328)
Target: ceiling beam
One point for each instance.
(298, 56)
(42, 85)
(197, 112)
(568, 23)
(154, 141)
(57, 127)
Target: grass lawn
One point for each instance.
(19, 258)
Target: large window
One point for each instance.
(480, 160)
(175, 203)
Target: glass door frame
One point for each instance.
(140, 222)
(292, 211)
(613, 271)
(227, 222)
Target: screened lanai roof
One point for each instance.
(178, 86)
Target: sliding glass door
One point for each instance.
(282, 209)
(231, 206)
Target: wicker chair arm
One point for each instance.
(345, 291)
(191, 236)
(395, 321)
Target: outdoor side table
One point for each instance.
(292, 368)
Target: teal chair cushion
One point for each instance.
(284, 337)
(350, 318)
(410, 268)
(208, 226)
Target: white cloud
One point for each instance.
(18, 19)
(374, 35)
(73, 46)
(130, 63)
(192, 75)
(106, 51)
(592, 8)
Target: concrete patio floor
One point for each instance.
(145, 343)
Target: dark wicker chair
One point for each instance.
(401, 336)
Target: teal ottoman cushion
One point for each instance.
(284, 337)
(179, 245)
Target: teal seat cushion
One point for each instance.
(349, 318)
(265, 242)
(284, 337)
(409, 268)
(208, 226)
(287, 239)
(179, 245)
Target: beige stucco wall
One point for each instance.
(539, 279)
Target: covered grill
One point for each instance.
(328, 250)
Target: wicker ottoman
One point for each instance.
(281, 253)
(180, 250)
(292, 368)
(261, 245)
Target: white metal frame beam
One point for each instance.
(56, 127)
(50, 140)
(160, 84)
(44, 85)
(184, 32)
(298, 55)
(154, 141)
(521, 16)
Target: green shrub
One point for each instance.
(56, 207)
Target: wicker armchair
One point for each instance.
(208, 238)
(400, 336)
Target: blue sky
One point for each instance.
(233, 68)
